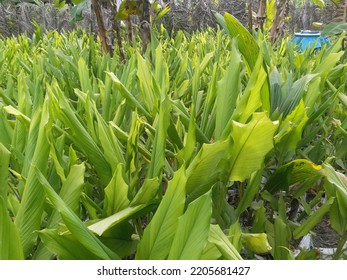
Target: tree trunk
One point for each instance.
(250, 15)
(145, 24)
(130, 30)
(101, 27)
(146, 15)
(278, 24)
(116, 29)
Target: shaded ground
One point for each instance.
(325, 236)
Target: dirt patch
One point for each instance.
(325, 236)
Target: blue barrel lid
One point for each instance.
(308, 33)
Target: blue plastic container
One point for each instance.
(307, 39)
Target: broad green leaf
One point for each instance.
(128, 213)
(336, 186)
(80, 135)
(275, 91)
(29, 215)
(295, 94)
(247, 44)
(206, 169)
(179, 107)
(74, 224)
(10, 244)
(228, 90)
(252, 142)
(313, 219)
(162, 76)
(132, 151)
(84, 77)
(338, 214)
(131, 99)
(109, 142)
(196, 79)
(217, 237)
(281, 240)
(208, 114)
(4, 165)
(313, 94)
(161, 14)
(336, 178)
(70, 192)
(192, 230)
(144, 74)
(55, 153)
(65, 246)
(19, 115)
(158, 235)
(334, 28)
(158, 154)
(251, 99)
(5, 128)
(147, 193)
(121, 239)
(290, 131)
(222, 22)
(328, 63)
(145, 198)
(116, 193)
(250, 192)
(256, 242)
(211, 252)
(259, 223)
(185, 155)
(293, 172)
(223, 213)
(77, 10)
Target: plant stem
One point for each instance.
(340, 247)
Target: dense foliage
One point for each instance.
(198, 149)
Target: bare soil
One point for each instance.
(325, 236)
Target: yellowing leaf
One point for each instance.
(256, 242)
(293, 172)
